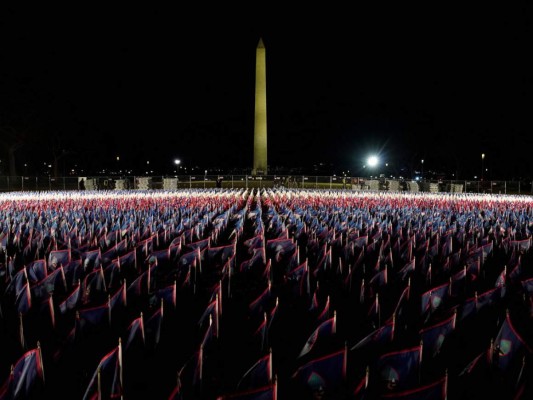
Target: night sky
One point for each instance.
(152, 83)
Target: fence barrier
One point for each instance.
(46, 183)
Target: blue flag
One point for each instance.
(324, 331)
(380, 336)
(328, 372)
(259, 375)
(135, 333)
(433, 391)
(91, 259)
(263, 393)
(433, 299)
(37, 270)
(434, 336)
(168, 294)
(508, 344)
(110, 385)
(57, 257)
(27, 372)
(71, 302)
(94, 317)
(23, 300)
(400, 368)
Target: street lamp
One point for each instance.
(422, 170)
(482, 160)
(177, 162)
(372, 161)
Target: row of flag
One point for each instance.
(409, 264)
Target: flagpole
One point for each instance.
(454, 318)
(12, 373)
(63, 277)
(378, 310)
(270, 364)
(265, 331)
(99, 384)
(21, 332)
(120, 366)
(40, 358)
(142, 328)
(174, 295)
(220, 296)
(109, 308)
(149, 276)
(124, 293)
(521, 372)
(344, 361)
(52, 313)
(178, 380)
(201, 365)
(199, 260)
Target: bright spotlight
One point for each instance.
(372, 161)
(177, 162)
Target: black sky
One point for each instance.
(443, 83)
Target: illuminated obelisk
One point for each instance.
(260, 124)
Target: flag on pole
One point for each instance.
(324, 331)
(25, 375)
(135, 333)
(380, 336)
(259, 374)
(508, 344)
(433, 336)
(264, 393)
(400, 369)
(328, 372)
(433, 391)
(106, 382)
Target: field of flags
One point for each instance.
(264, 294)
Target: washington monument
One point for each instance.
(260, 124)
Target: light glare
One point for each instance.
(372, 161)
